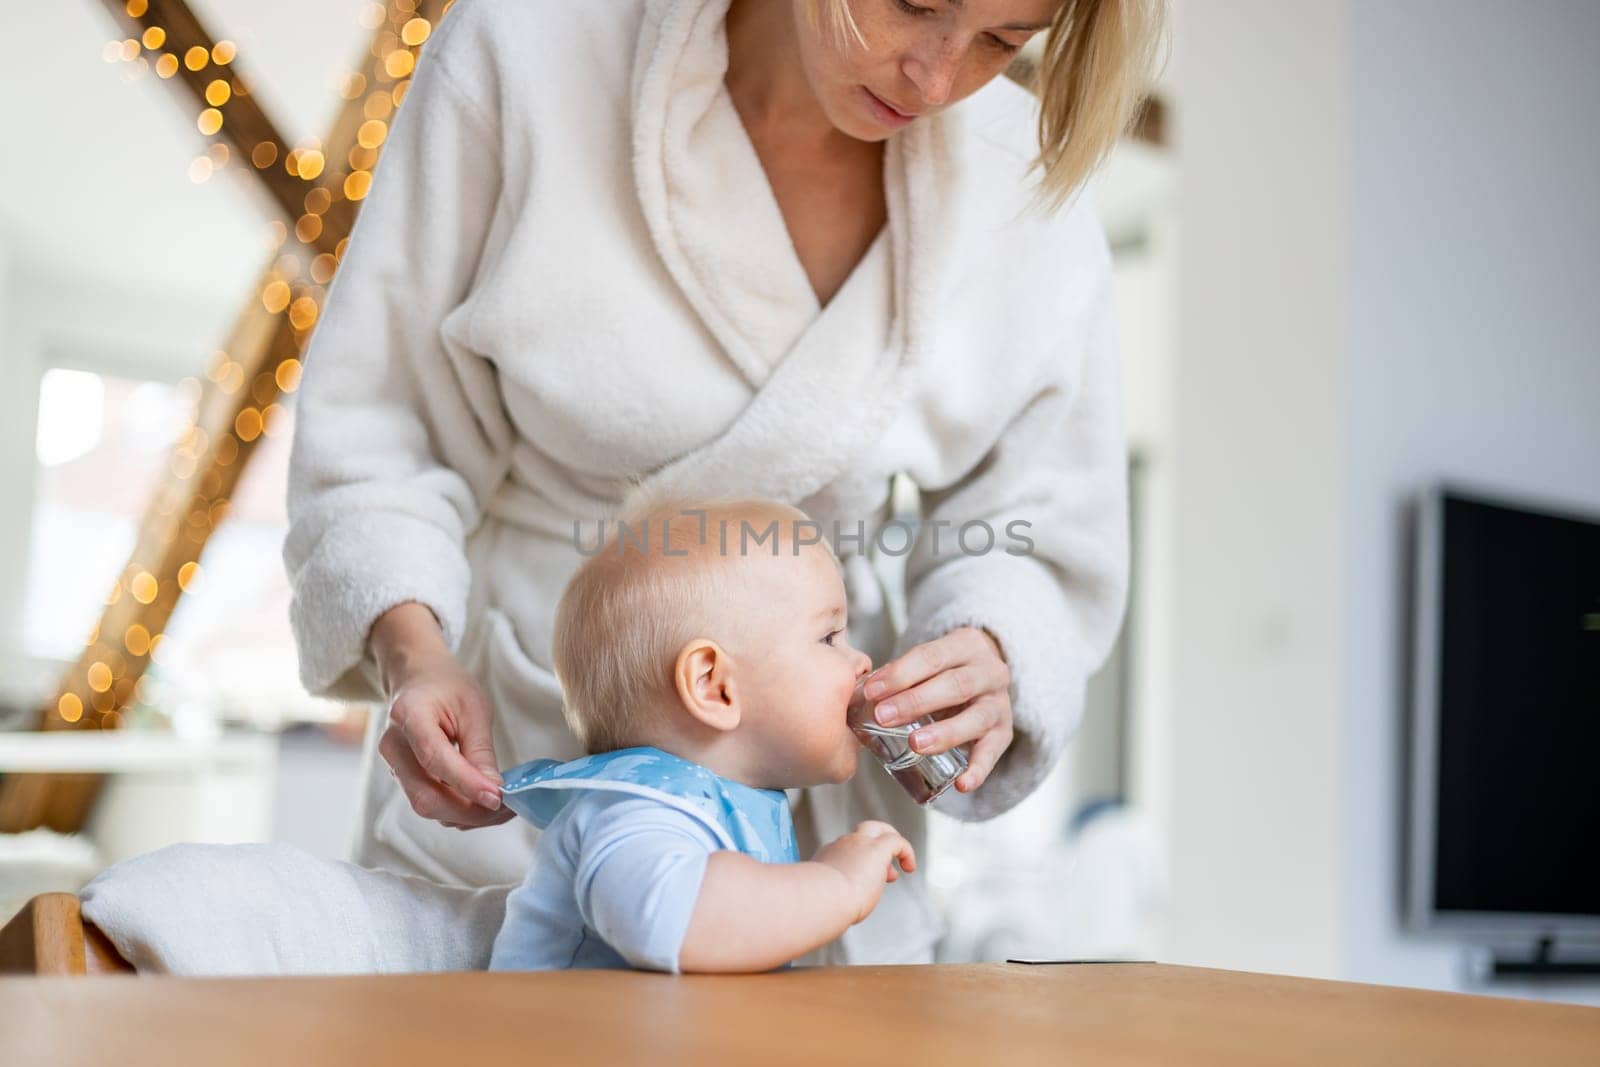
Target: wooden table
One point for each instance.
(972, 1015)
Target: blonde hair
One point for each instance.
(658, 580)
(1098, 62)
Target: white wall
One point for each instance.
(1389, 270)
(1473, 349)
(1256, 670)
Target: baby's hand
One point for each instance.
(866, 857)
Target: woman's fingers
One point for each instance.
(977, 720)
(949, 689)
(983, 756)
(943, 673)
(476, 740)
(431, 748)
(427, 796)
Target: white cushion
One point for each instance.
(275, 909)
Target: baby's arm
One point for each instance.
(754, 916)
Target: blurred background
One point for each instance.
(1358, 257)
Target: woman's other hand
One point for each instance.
(963, 681)
(438, 742)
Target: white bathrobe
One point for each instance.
(572, 270)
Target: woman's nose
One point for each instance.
(933, 71)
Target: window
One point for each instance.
(103, 446)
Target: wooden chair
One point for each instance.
(50, 937)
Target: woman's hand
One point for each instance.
(962, 680)
(438, 743)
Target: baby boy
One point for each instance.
(702, 655)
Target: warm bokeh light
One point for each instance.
(303, 313)
(275, 297)
(137, 640)
(247, 424)
(99, 677)
(143, 587)
(416, 31)
(399, 63)
(199, 468)
(372, 133)
(287, 374)
(323, 268)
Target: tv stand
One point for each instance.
(1544, 965)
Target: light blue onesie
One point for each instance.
(616, 872)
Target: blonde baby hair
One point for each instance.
(668, 571)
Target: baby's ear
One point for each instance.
(703, 676)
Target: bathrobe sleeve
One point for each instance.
(1051, 592)
(400, 432)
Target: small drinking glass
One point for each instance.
(925, 777)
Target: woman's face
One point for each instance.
(920, 57)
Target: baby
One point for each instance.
(702, 654)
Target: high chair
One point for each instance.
(50, 937)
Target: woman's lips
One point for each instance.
(886, 113)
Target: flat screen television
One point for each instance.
(1504, 819)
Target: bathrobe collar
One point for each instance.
(828, 380)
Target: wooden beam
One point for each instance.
(317, 188)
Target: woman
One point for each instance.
(785, 247)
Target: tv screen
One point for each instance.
(1513, 752)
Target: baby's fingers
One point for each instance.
(907, 856)
(899, 849)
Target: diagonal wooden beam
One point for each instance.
(317, 188)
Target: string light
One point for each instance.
(287, 375)
(275, 297)
(295, 288)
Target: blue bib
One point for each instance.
(743, 818)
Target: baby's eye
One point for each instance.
(829, 639)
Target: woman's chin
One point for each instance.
(858, 124)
